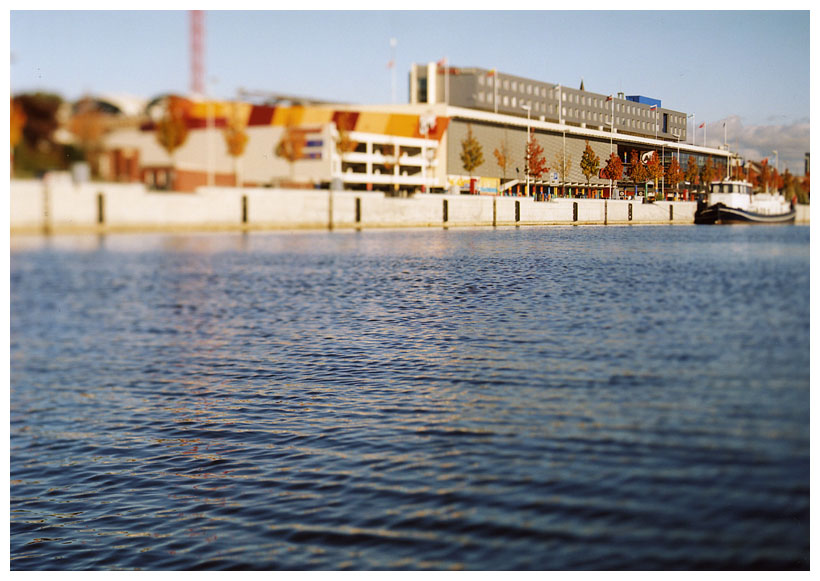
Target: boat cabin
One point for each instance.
(731, 187)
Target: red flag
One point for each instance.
(653, 107)
(609, 98)
(701, 125)
(390, 65)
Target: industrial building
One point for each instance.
(415, 146)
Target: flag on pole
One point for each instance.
(609, 98)
(491, 73)
(701, 125)
(653, 107)
(390, 64)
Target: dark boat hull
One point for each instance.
(721, 214)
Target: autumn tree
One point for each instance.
(344, 143)
(89, 125)
(18, 120)
(674, 173)
(654, 170)
(536, 164)
(737, 172)
(765, 174)
(502, 158)
(236, 139)
(707, 173)
(613, 170)
(291, 146)
(472, 154)
(37, 149)
(636, 170)
(172, 128)
(563, 164)
(590, 163)
(692, 174)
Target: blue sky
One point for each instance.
(748, 69)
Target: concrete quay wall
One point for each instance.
(37, 207)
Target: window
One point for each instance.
(506, 101)
(480, 96)
(514, 86)
(513, 102)
(506, 84)
(480, 79)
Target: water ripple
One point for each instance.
(544, 398)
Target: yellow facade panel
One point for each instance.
(403, 125)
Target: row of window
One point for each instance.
(553, 93)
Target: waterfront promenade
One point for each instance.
(65, 207)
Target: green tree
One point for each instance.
(472, 154)
(590, 163)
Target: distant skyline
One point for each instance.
(749, 70)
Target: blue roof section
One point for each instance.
(644, 100)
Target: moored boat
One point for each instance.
(733, 202)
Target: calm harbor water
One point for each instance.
(512, 398)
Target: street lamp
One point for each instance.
(527, 108)
(692, 115)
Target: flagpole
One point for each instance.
(393, 43)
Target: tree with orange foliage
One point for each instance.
(89, 125)
(765, 174)
(502, 158)
(18, 121)
(674, 173)
(236, 139)
(707, 172)
(691, 174)
(590, 163)
(172, 128)
(613, 170)
(636, 170)
(291, 146)
(536, 164)
(654, 171)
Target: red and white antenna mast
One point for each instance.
(197, 33)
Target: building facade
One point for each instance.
(490, 90)
(418, 146)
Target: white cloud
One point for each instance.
(757, 142)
